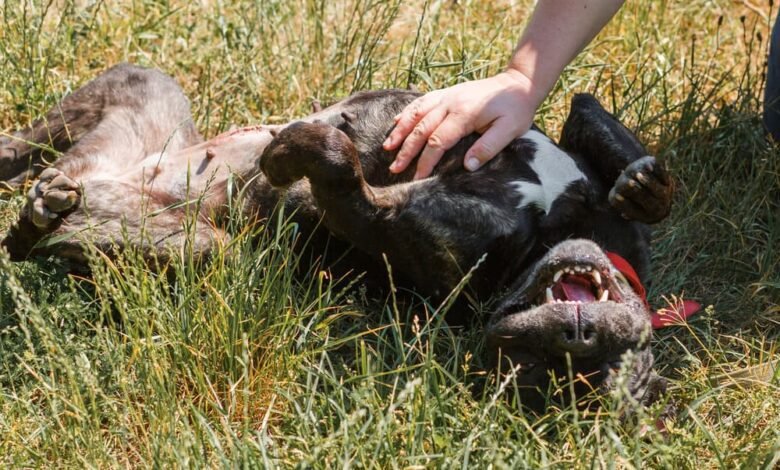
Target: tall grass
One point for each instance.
(243, 361)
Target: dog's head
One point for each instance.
(575, 317)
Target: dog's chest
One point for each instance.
(555, 171)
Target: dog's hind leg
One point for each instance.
(107, 129)
(142, 112)
(26, 152)
(126, 112)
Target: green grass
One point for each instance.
(242, 363)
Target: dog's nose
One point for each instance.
(578, 337)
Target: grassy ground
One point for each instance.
(241, 363)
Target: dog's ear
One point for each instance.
(595, 134)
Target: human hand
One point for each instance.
(501, 108)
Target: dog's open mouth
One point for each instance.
(578, 283)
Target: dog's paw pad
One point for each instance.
(49, 198)
(643, 192)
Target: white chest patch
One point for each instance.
(555, 169)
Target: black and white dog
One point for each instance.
(546, 221)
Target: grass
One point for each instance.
(242, 363)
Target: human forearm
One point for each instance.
(557, 31)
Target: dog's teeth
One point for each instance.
(557, 276)
(548, 293)
(596, 277)
(604, 296)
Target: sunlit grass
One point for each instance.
(244, 361)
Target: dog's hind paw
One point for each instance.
(643, 192)
(52, 197)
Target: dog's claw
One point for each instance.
(33, 193)
(40, 214)
(49, 174)
(62, 182)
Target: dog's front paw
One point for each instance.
(284, 160)
(315, 150)
(276, 165)
(643, 192)
(52, 197)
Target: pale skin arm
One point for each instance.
(501, 107)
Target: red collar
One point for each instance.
(677, 311)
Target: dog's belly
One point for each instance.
(193, 170)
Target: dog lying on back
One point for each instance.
(542, 222)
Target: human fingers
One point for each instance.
(495, 138)
(453, 128)
(417, 139)
(408, 119)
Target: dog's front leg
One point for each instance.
(408, 222)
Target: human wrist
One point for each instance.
(523, 84)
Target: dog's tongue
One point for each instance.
(574, 288)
